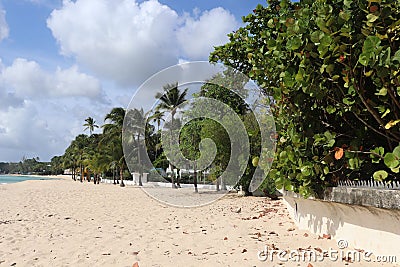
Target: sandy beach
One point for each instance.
(67, 223)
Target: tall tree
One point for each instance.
(112, 134)
(170, 100)
(157, 117)
(189, 144)
(90, 125)
(136, 128)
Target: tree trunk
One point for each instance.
(121, 176)
(140, 163)
(81, 167)
(73, 173)
(178, 183)
(172, 176)
(170, 165)
(223, 185)
(195, 179)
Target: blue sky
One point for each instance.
(62, 61)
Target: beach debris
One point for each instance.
(136, 264)
(291, 229)
(244, 250)
(325, 236)
(106, 254)
(305, 235)
(225, 238)
(347, 259)
(238, 210)
(310, 265)
(13, 264)
(272, 246)
(318, 249)
(135, 252)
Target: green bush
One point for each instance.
(332, 69)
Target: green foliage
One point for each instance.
(332, 68)
(30, 166)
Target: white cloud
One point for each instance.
(8, 100)
(44, 127)
(198, 36)
(4, 30)
(71, 82)
(29, 80)
(24, 132)
(120, 40)
(127, 42)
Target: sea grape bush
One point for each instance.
(332, 68)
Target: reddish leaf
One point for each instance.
(373, 9)
(339, 153)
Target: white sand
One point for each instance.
(66, 223)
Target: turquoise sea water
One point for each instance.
(5, 179)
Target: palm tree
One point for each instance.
(170, 100)
(99, 163)
(137, 124)
(80, 144)
(157, 117)
(112, 135)
(69, 161)
(90, 125)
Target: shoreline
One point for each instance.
(35, 178)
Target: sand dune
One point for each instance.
(66, 223)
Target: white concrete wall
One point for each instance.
(162, 184)
(369, 228)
